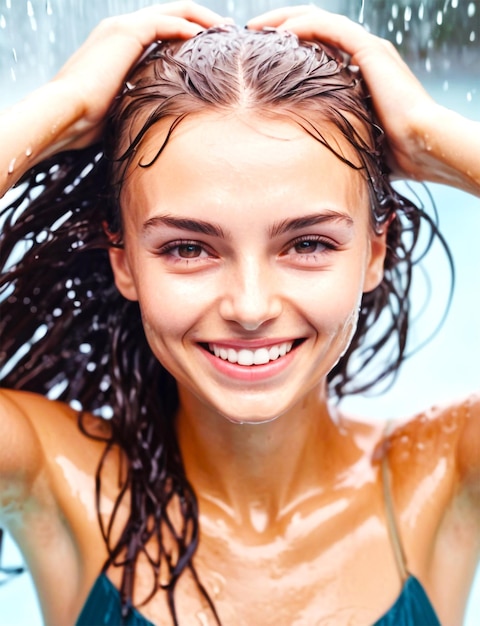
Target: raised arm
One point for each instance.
(427, 141)
(69, 111)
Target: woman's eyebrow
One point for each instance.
(297, 223)
(184, 223)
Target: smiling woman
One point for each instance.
(230, 259)
(206, 284)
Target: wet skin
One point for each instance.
(286, 257)
(291, 505)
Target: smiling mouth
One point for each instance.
(246, 357)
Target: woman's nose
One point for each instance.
(251, 296)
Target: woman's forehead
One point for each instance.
(227, 160)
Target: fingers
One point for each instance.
(194, 12)
(312, 23)
(278, 16)
(174, 20)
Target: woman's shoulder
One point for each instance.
(39, 438)
(442, 441)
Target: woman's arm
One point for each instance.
(69, 112)
(427, 141)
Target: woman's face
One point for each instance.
(248, 247)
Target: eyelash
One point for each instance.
(328, 244)
(167, 250)
(308, 256)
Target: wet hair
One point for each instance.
(69, 334)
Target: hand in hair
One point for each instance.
(68, 113)
(427, 141)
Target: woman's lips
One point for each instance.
(251, 364)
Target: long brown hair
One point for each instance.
(67, 331)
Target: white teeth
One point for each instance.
(251, 357)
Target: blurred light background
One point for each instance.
(440, 40)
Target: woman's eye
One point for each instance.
(184, 250)
(309, 247)
(189, 251)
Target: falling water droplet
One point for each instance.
(361, 15)
(471, 9)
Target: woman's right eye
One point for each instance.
(182, 250)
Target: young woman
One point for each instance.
(226, 262)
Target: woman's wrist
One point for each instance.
(447, 149)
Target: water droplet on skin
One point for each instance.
(11, 167)
(449, 423)
(202, 618)
(28, 152)
(218, 583)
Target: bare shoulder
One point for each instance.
(22, 454)
(35, 432)
(446, 437)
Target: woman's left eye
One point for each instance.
(189, 251)
(309, 245)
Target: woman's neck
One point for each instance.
(254, 473)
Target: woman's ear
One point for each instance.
(374, 270)
(120, 264)
(122, 272)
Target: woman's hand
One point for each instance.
(426, 141)
(69, 112)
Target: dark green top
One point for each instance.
(103, 608)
